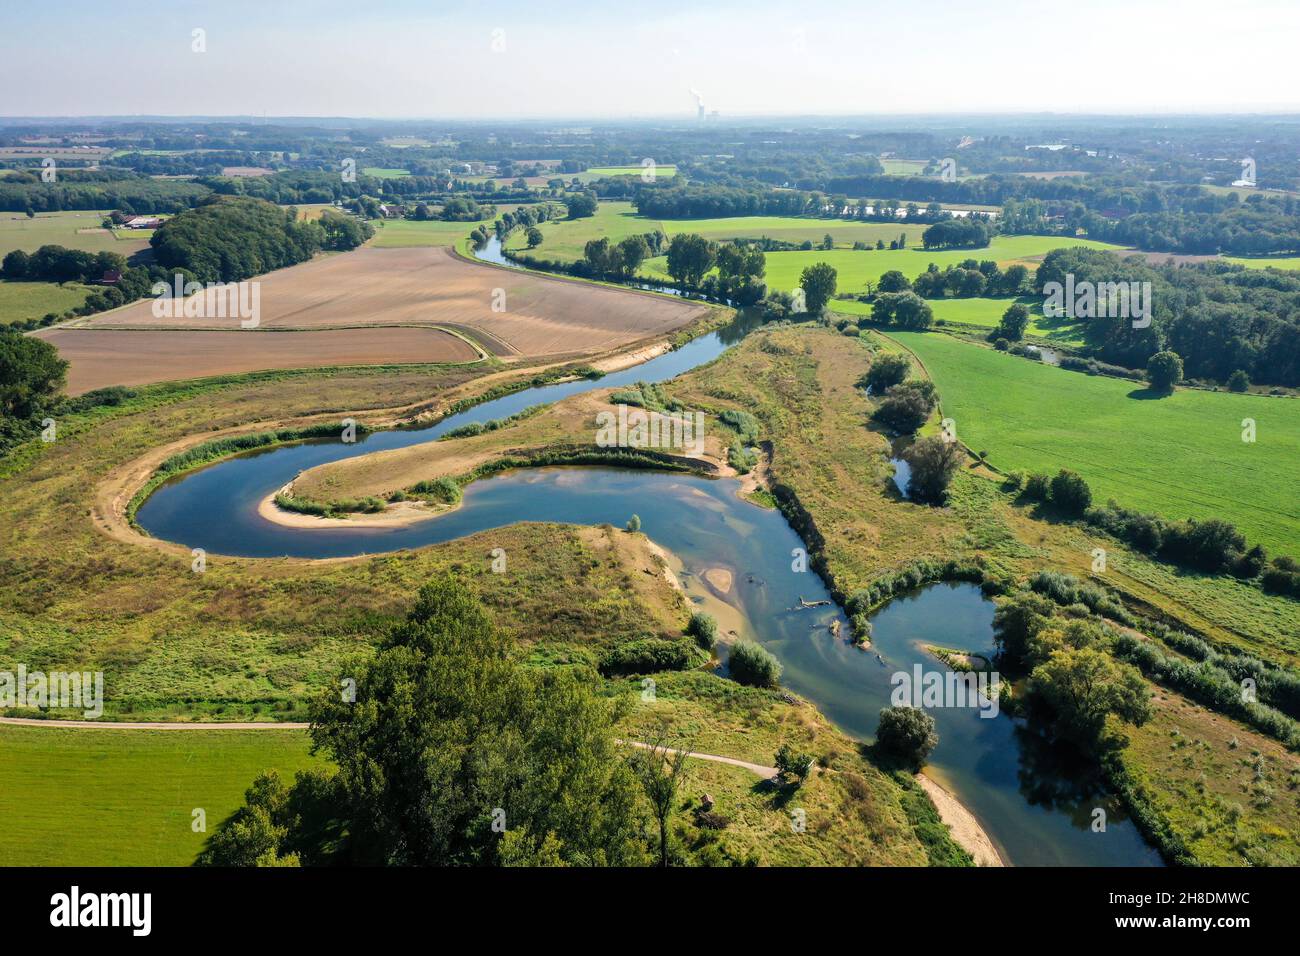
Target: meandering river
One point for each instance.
(1037, 812)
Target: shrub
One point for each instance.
(753, 665)
(933, 462)
(1238, 381)
(444, 490)
(1071, 493)
(647, 656)
(889, 369)
(704, 628)
(906, 734)
(792, 763)
(1038, 487)
(1164, 371)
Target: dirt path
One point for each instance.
(767, 773)
(966, 830)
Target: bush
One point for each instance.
(933, 462)
(1038, 487)
(648, 656)
(906, 407)
(907, 735)
(1238, 381)
(792, 763)
(889, 369)
(753, 665)
(1071, 493)
(1164, 371)
(704, 628)
(444, 490)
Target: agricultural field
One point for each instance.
(904, 167)
(1180, 456)
(20, 301)
(102, 357)
(380, 172)
(73, 230)
(426, 286)
(126, 797)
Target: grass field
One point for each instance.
(566, 238)
(903, 167)
(857, 268)
(986, 313)
(405, 233)
(20, 301)
(126, 797)
(601, 172)
(73, 230)
(1280, 262)
(380, 172)
(1181, 456)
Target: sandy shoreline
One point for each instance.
(966, 830)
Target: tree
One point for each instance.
(1080, 688)
(792, 763)
(818, 283)
(1016, 623)
(662, 771)
(31, 374)
(633, 251)
(15, 265)
(449, 752)
(634, 523)
(906, 407)
(907, 735)
(1164, 371)
(1014, 322)
(690, 257)
(534, 236)
(1071, 493)
(887, 370)
(1238, 381)
(581, 205)
(933, 462)
(750, 664)
(893, 281)
(704, 628)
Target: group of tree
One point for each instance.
(970, 232)
(229, 240)
(1211, 545)
(1218, 317)
(967, 279)
(32, 377)
(907, 406)
(1074, 685)
(620, 260)
(902, 310)
(128, 192)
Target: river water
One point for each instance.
(1038, 813)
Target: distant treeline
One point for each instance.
(83, 190)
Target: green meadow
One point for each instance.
(1179, 456)
(20, 301)
(855, 269)
(403, 233)
(72, 230)
(986, 313)
(380, 172)
(601, 172)
(126, 797)
(1284, 262)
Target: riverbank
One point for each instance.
(965, 829)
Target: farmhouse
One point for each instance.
(142, 222)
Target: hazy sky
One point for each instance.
(467, 58)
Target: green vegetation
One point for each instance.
(26, 302)
(1180, 456)
(906, 735)
(127, 797)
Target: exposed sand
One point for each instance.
(719, 579)
(966, 830)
